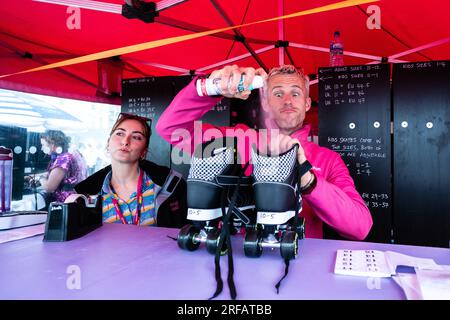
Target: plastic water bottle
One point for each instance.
(336, 50)
(6, 173)
(211, 87)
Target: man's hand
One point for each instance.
(230, 76)
(32, 182)
(280, 143)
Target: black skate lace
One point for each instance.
(225, 236)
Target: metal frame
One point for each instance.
(107, 7)
(40, 61)
(243, 56)
(239, 36)
(425, 46)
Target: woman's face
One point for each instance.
(46, 147)
(127, 143)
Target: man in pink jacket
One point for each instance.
(329, 195)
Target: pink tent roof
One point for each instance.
(42, 31)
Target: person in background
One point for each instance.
(65, 169)
(328, 191)
(133, 190)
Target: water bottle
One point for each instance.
(336, 50)
(6, 174)
(211, 87)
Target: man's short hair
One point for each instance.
(290, 69)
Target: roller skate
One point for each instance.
(213, 177)
(278, 204)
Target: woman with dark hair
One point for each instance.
(134, 190)
(65, 168)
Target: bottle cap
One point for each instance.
(257, 82)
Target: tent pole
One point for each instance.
(158, 65)
(228, 61)
(289, 56)
(346, 53)
(390, 33)
(195, 28)
(239, 36)
(280, 32)
(425, 46)
(39, 44)
(43, 62)
(134, 69)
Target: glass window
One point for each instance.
(26, 118)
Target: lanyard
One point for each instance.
(136, 219)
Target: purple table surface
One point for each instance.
(128, 262)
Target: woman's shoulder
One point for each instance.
(62, 160)
(64, 156)
(93, 183)
(157, 172)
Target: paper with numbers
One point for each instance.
(366, 263)
(373, 263)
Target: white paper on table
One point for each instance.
(374, 263)
(408, 282)
(365, 263)
(396, 259)
(434, 284)
(430, 282)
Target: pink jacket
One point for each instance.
(334, 200)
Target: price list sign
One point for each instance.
(354, 121)
(421, 153)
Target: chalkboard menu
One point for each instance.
(149, 97)
(354, 121)
(421, 108)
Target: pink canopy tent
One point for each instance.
(39, 32)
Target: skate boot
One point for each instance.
(278, 204)
(213, 175)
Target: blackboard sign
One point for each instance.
(149, 97)
(421, 107)
(354, 121)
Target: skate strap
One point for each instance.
(298, 204)
(304, 168)
(241, 215)
(224, 180)
(286, 271)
